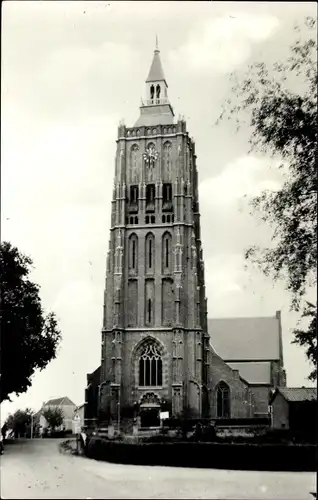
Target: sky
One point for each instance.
(70, 72)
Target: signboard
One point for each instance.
(164, 415)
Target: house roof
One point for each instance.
(297, 394)
(254, 373)
(156, 72)
(245, 339)
(65, 401)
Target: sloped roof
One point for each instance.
(60, 401)
(254, 373)
(298, 394)
(156, 72)
(244, 339)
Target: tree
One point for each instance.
(20, 421)
(54, 416)
(284, 124)
(308, 338)
(29, 339)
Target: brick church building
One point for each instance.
(159, 349)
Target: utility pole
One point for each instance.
(31, 425)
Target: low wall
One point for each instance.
(208, 455)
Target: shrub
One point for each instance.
(213, 455)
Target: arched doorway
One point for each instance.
(150, 410)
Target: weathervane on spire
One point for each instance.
(157, 46)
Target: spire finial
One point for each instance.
(157, 46)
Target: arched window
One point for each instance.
(223, 400)
(150, 367)
(158, 91)
(134, 157)
(166, 252)
(167, 160)
(133, 253)
(152, 92)
(150, 250)
(149, 312)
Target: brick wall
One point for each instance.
(241, 401)
(261, 395)
(280, 411)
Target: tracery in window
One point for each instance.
(167, 147)
(223, 400)
(150, 367)
(134, 157)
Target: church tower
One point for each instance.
(154, 338)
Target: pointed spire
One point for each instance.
(156, 72)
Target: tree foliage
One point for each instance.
(308, 338)
(19, 421)
(29, 339)
(54, 416)
(283, 123)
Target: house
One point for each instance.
(66, 405)
(79, 415)
(294, 408)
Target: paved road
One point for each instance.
(36, 469)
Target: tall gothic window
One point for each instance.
(133, 253)
(150, 367)
(223, 400)
(150, 247)
(166, 252)
(167, 160)
(150, 163)
(134, 154)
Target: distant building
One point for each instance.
(254, 347)
(159, 349)
(79, 415)
(294, 408)
(66, 405)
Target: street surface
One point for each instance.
(36, 469)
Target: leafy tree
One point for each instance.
(54, 416)
(20, 421)
(29, 339)
(308, 338)
(283, 123)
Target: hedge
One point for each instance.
(207, 455)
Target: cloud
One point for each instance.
(223, 43)
(239, 178)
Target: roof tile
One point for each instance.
(298, 394)
(243, 339)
